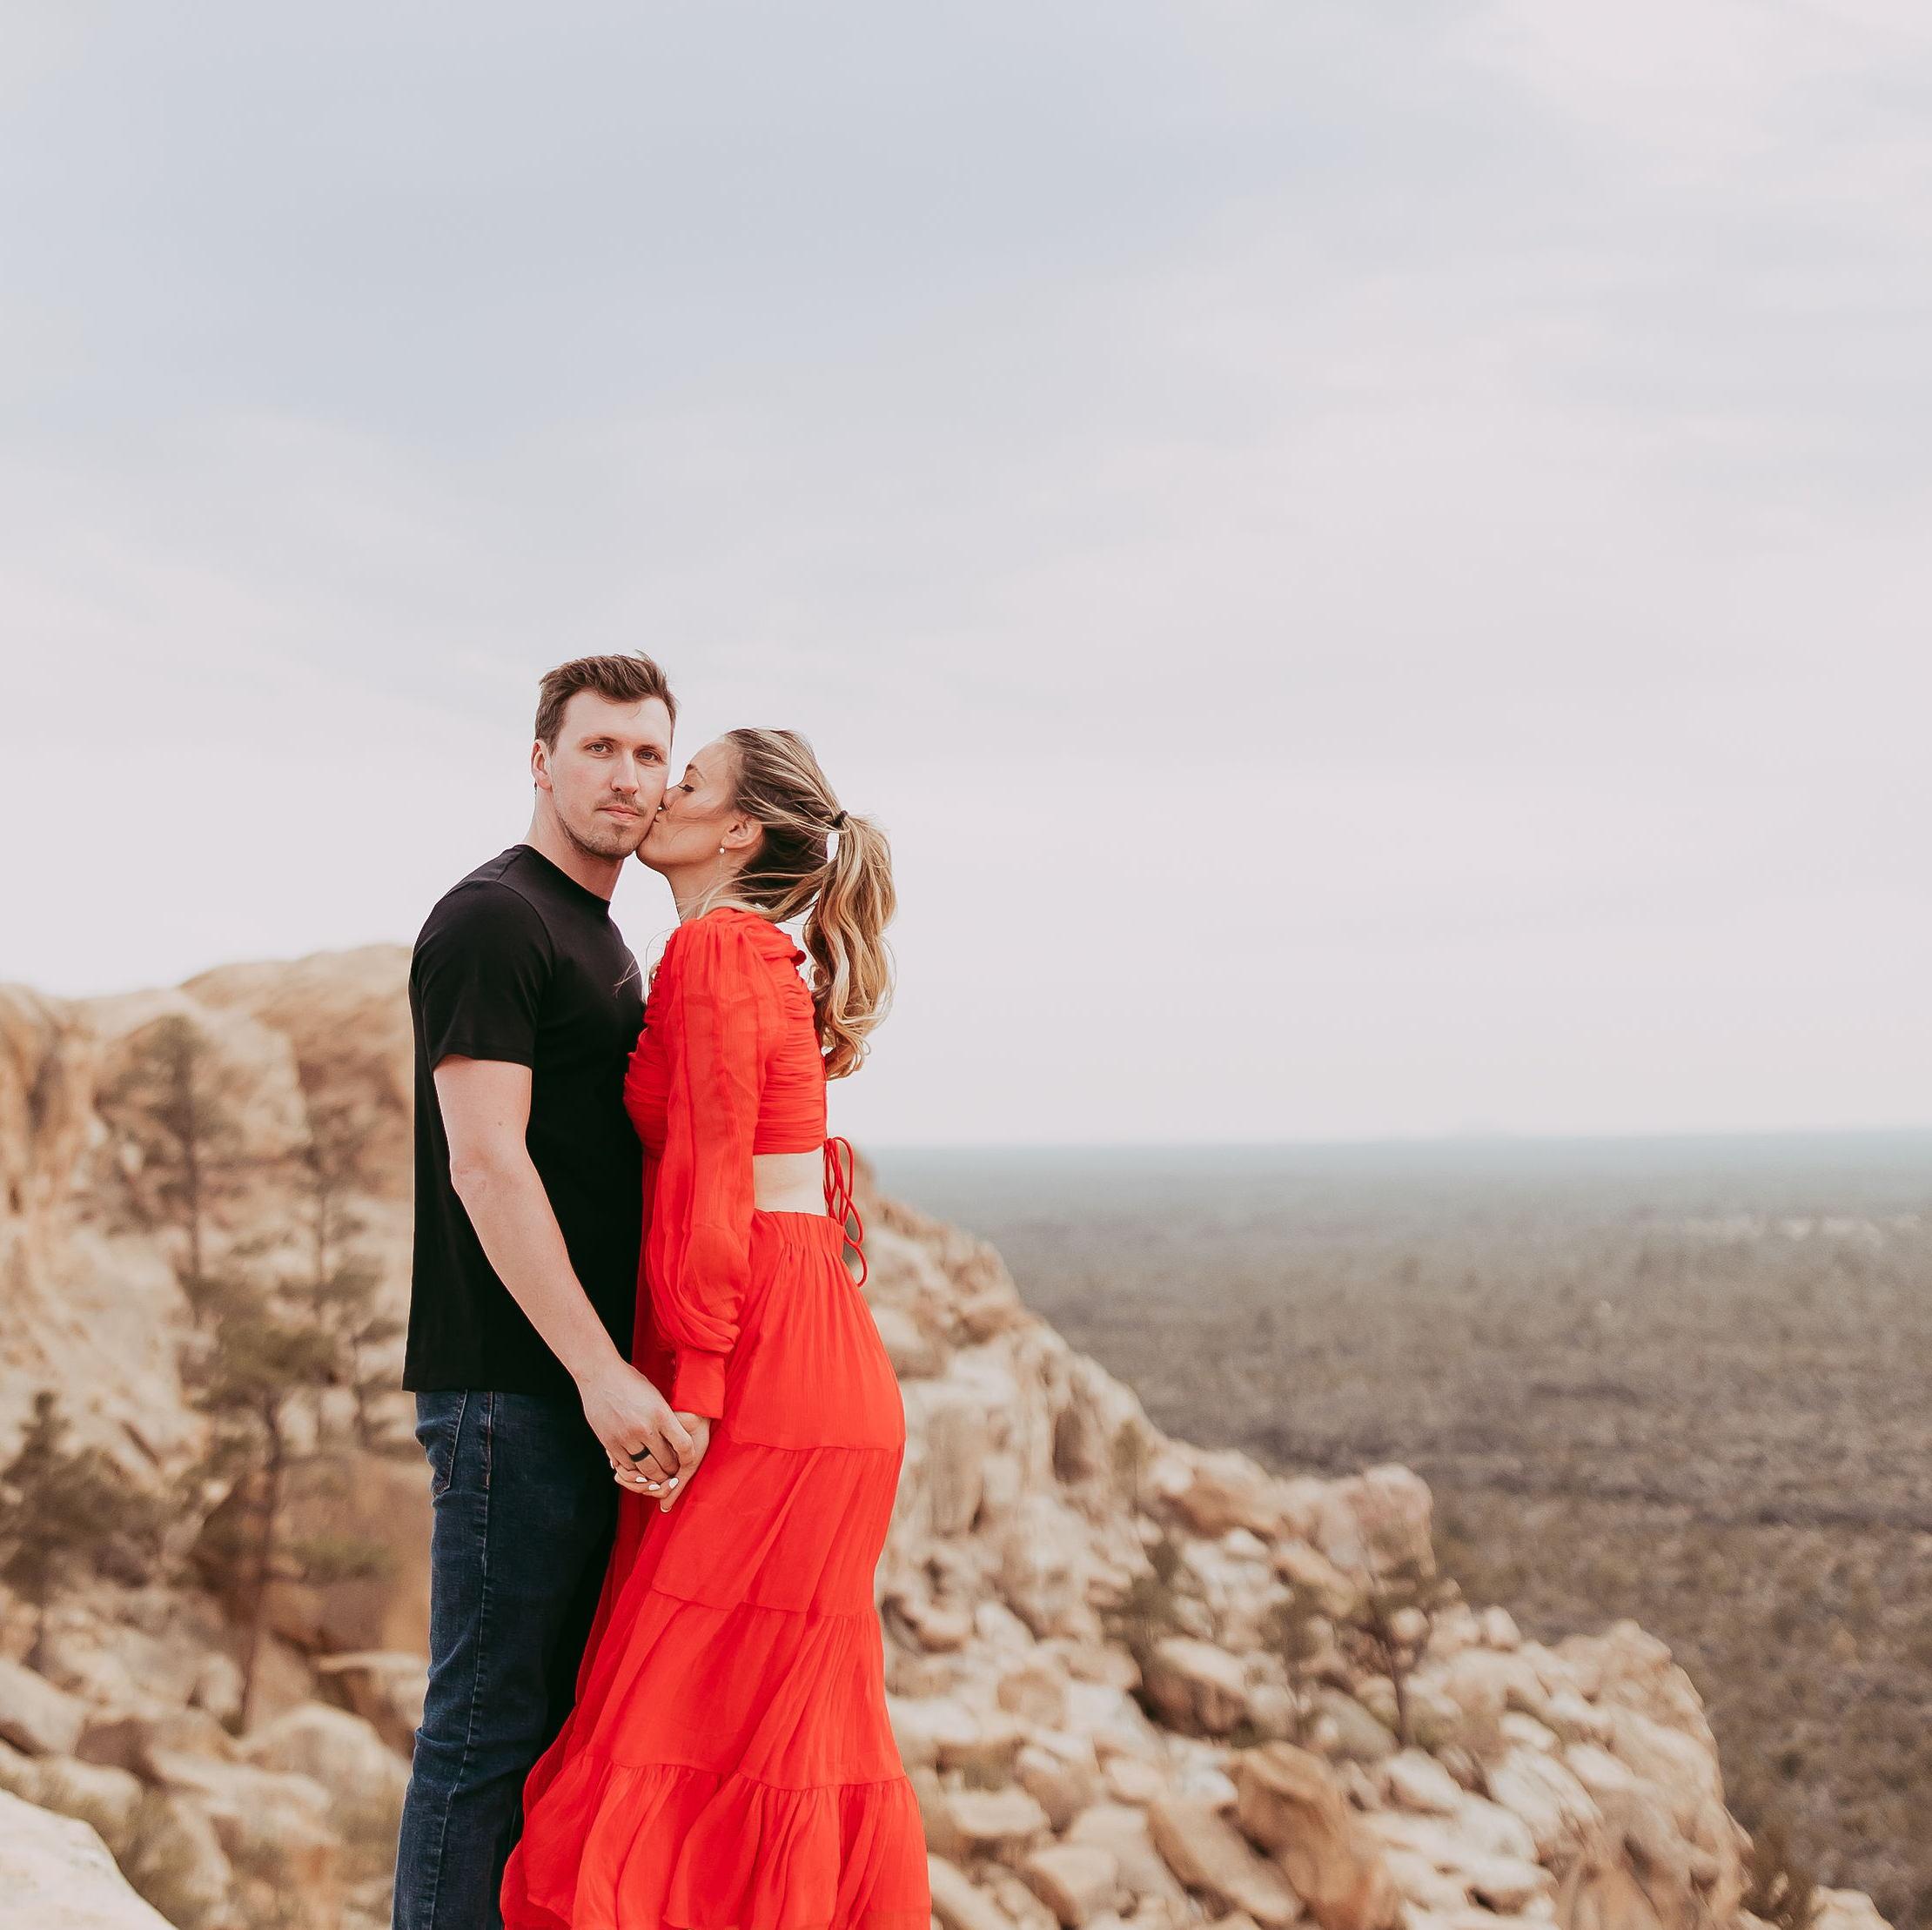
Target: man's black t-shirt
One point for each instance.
(520, 962)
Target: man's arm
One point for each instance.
(485, 1107)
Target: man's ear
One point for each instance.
(539, 763)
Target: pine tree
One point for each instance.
(178, 1101)
(271, 1347)
(342, 1290)
(70, 1513)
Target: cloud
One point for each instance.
(1372, 560)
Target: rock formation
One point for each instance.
(1139, 1686)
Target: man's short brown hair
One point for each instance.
(626, 679)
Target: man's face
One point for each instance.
(605, 774)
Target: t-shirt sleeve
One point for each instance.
(698, 1245)
(480, 966)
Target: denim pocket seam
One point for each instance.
(441, 1478)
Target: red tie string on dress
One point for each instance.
(838, 1197)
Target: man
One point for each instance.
(526, 1004)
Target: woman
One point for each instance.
(729, 1764)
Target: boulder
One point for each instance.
(1212, 1493)
(176, 1859)
(106, 1799)
(340, 1751)
(1413, 1779)
(37, 1717)
(134, 1742)
(383, 1687)
(1544, 1793)
(1212, 1858)
(916, 1354)
(1061, 1774)
(1035, 1691)
(1847, 1910)
(1076, 1881)
(1003, 1824)
(1196, 1686)
(56, 1874)
(1351, 1732)
(1041, 1570)
(922, 1725)
(1289, 1801)
(956, 1903)
(1123, 1831)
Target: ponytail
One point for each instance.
(833, 866)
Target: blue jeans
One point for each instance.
(524, 1510)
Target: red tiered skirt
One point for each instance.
(729, 1764)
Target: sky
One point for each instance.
(1371, 560)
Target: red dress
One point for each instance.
(729, 1764)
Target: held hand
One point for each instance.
(651, 1477)
(632, 1420)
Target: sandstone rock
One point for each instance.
(1499, 1880)
(921, 1724)
(1499, 1629)
(1198, 1687)
(985, 1756)
(956, 1903)
(1373, 1524)
(1525, 1731)
(1035, 1691)
(996, 1626)
(1415, 1780)
(383, 1687)
(1847, 1910)
(37, 1717)
(1311, 1575)
(1606, 1897)
(56, 1874)
(1000, 1823)
(1492, 1830)
(1275, 1710)
(1436, 1723)
(259, 1815)
(1290, 1802)
(1018, 1903)
(1352, 1732)
(1211, 1857)
(1040, 1568)
(106, 1799)
(1133, 1780)
(1422, 1883)
(916, 1354)
(1484, 1684)
(1508, 1883)
(1123, 1831)
(1544, 1793)
(340, 1751)
(1062, 1775)
(1212, 1493)
(133, 1742)
(957, 1441)
(1076, 1881)
(1572, 1718)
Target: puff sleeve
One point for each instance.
(697, 1247)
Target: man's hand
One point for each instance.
(634, 1421)
(665, 1485)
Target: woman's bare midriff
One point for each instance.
(788, 1182)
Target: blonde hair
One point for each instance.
(828, 863)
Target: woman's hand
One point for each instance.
(663, 1486)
